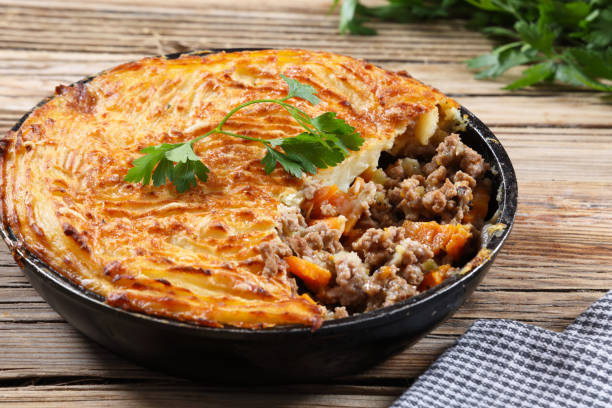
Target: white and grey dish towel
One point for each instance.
(503, 363)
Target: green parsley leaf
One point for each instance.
(143, 166)
(273, 156)
(482, 61)
(328, 123)
(504, 61)
(185, 174)
(573, 74)
(182, 153)
(594, 63)
(356, 26)
(162, 158)
(570, 14)
(501, 32)
(533, 75)
(188, 166)
(537, 35)
(347, 17)
(326, 142)
(164, 171)
(488, 5)
(310, 148)
(600, 35)
(304, 91)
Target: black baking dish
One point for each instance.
(340, 347)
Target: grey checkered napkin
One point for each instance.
(503, 363)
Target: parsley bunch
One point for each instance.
(568, 41)
(325, 142)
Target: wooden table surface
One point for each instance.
(557, 261)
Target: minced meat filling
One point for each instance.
(385, 240)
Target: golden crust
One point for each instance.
(191, 256)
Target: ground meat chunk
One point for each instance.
(436, 177)
(453, 153)
(377, 246)
(408, 257)
(350, 282)
(446, 193)
(310, 189)
(407, 197)
(439, 200)
(317, 237)
(395, 171)
(328, 210)
(413, 274)
(390, 246)
(315, 242)
(464, 185)
(273, 254)
(290, 220)
(340, 312)
(466, 179)
(387, 288)
(366, 197)
(380, 212)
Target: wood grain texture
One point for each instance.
(557, 261)
(179, 396)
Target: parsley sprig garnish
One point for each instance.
(568, 41)
(325, 142)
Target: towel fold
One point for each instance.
(503, 363)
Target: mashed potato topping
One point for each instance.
(202, 256)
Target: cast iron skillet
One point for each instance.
(340, 347)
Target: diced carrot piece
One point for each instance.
(337, 223)
(352, 236)
(352, 208)
(434, 278)
(347, 204)
(321, 196)
(357, 186)
(480, 204)
(449, 238)
(456, 243)
(313, 276)
(367, 174)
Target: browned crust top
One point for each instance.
(190, 256)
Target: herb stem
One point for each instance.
(243, 105)
(197, 139)
(299, 115)
(254, 139)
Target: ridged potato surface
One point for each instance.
(192, 256)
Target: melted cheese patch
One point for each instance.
(191, 256)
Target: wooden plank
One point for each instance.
(561, 155)
(153, 31)
(296, 7)
(128, 395)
